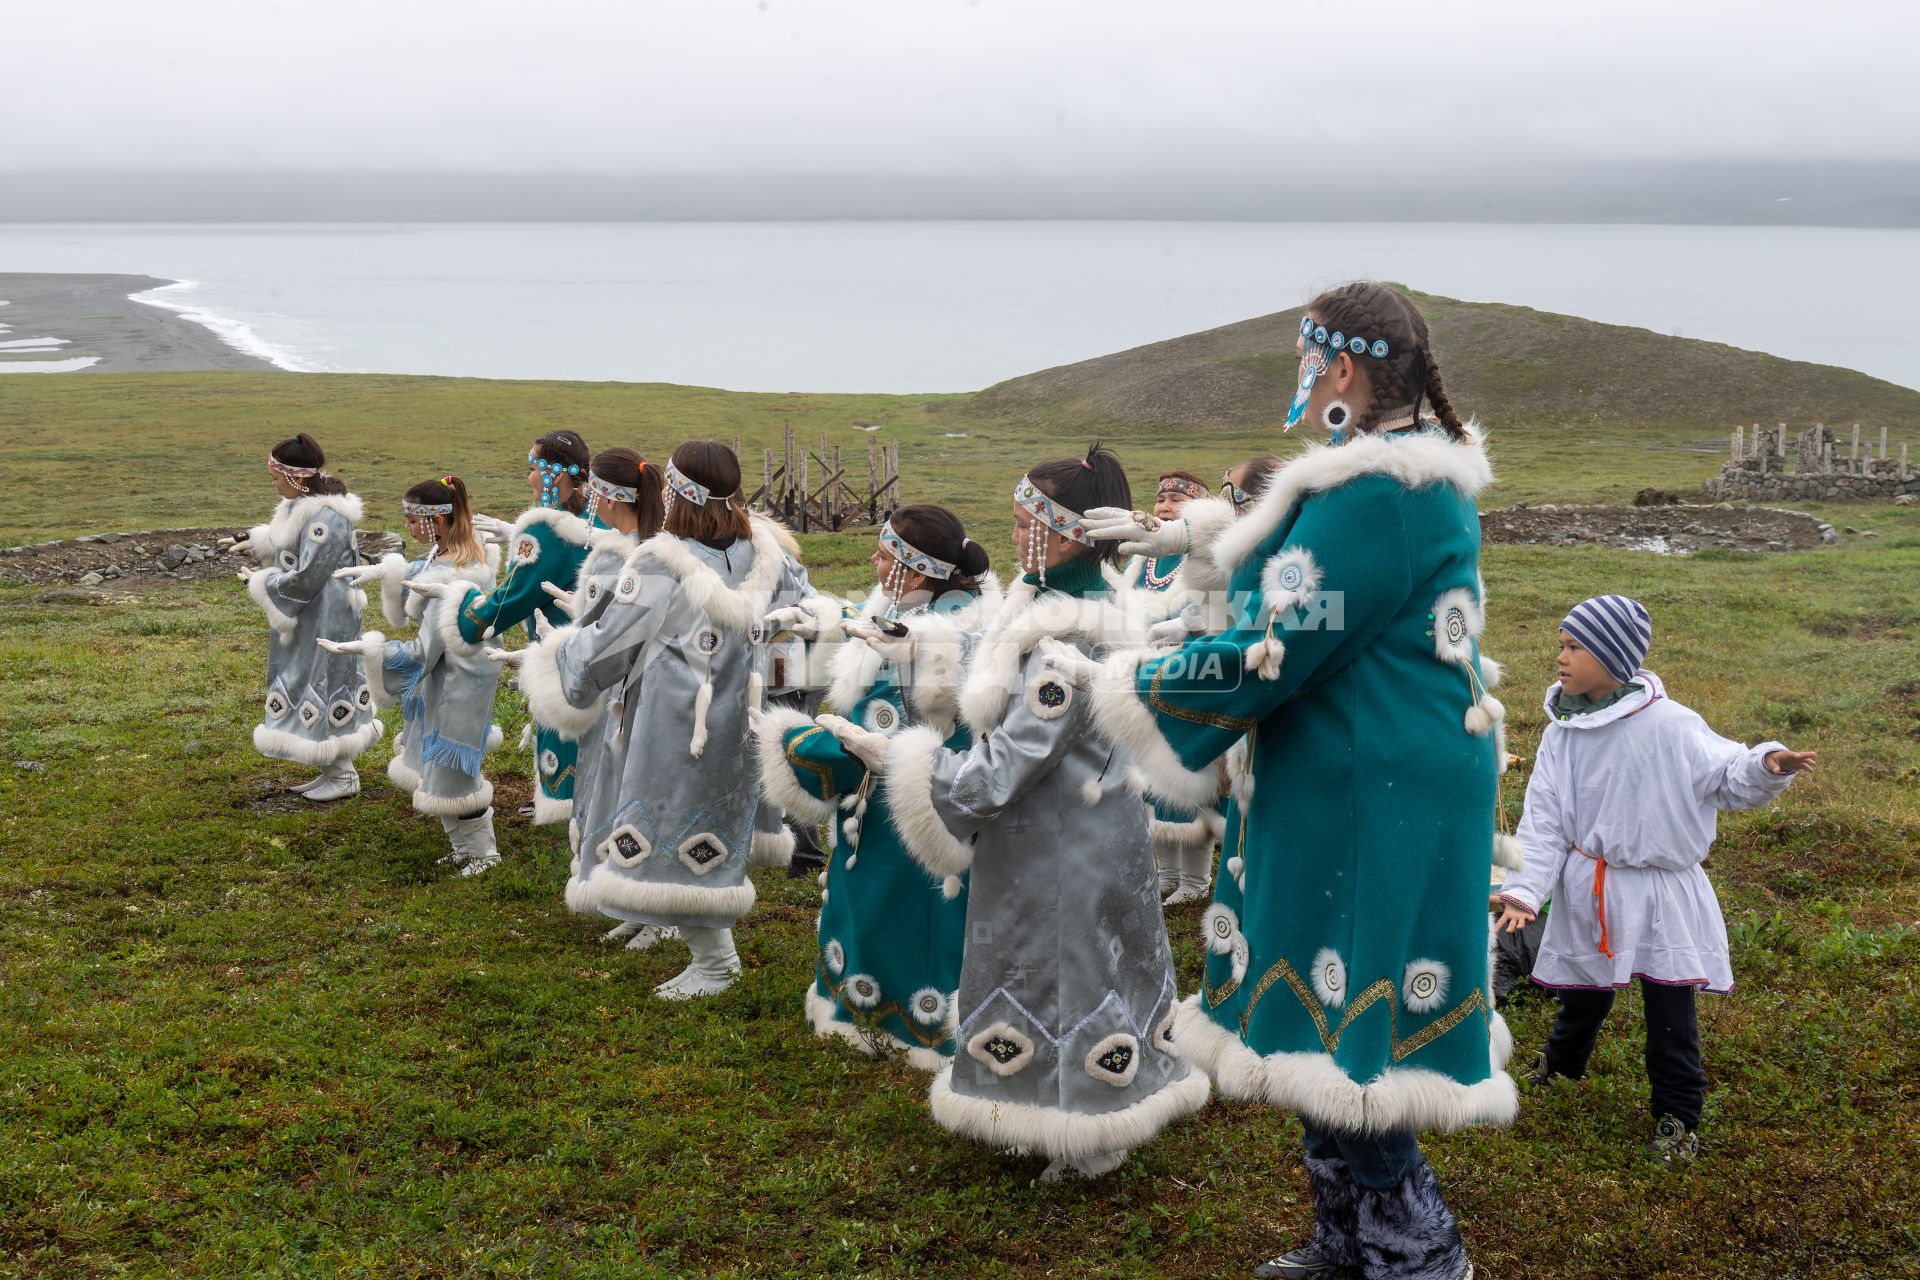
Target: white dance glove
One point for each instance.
(508, 657)
(238, 545)
(1075, 667)
(346, 646)
(361, 574)
(897, 649)
(869, 748)
(493, 527)
(1173, 631)
(800, 622)
(1139, 533)
(565, 598)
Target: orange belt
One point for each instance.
(1600, 893)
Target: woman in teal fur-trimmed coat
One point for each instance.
(1347, 969)
(890, 933)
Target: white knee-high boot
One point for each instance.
(472, 840)
(1195, 881)
(715, 965)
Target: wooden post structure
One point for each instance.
(1783, 441)
(1903, 460)
(1883, 444)
(873, 480)
(1736, 446)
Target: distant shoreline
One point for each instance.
(99, 319)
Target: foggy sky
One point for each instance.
(940, 87)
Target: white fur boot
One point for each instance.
(1194, 863)
(472, 840)
(1097, 1165)
(648, 934)
(715, 965)
(336, 782)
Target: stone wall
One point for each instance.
(1824, 468)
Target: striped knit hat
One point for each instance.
(1615, 630)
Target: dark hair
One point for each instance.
(459, 544)
(303, 450)
(1097, 480)
(1409, 371)
(938, 532)
(724, 518)
(1259, 474)
(625, 467)
(568, 449)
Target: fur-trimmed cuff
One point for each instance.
(373, 665)
(1064, 1135)
(875, 1043)
(281, 745)
(771, 849)
(1207, 519)
(546, 701)
(777, 779)
(446, 620)
(548, 810)
(1123, 719)
(1397, 1100)
(908, 778)
(398, 773)
(260, 544)
(480, 797)
(393, 576)
(676, 904)
(1180, 837)
(283, 625)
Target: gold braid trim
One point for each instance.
(1235, 724)
(1380, 989)
(821, 771)
(869, 1022)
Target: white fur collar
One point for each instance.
(569, 526)
(1027, 616)
(291, 516)
(1414, 461)
(738, 608)
(605, 546)
(856, 666)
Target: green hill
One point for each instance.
(1510, 366)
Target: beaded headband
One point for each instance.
(1174, 484)
(918, 561)
(1062, 520)
(608, 491)
(550, 473)
(683, 486)
(293, 475)
(1320, 348)
(425, 508)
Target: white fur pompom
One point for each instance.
(823, 879)
(852, 827)
(1506, 852)
(1479, 721)
(1495, 708)
(1490, 671)
(526, 736)
(701, 702)
(853, 860)
(1090, 792)
(1236, 865)
(1263, 658)
(950, 887)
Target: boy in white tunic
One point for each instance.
(1620, 814)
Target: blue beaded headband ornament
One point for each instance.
(1063, 521)
(680, 484)
(918, 561)
(601, 490)
(550, 473)
(1317, 355)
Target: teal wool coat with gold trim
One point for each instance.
(1347, 970)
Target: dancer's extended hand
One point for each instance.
(801, 622)
(511, 657)
(492, 526)
(1173, 631)
(239, 544)
(361, 574)
(345, 646)
(864, 745)
(1791, 761)
(1139, 533)
(895, 647)
(1075, 667)
(1512, 918)
(565, 598)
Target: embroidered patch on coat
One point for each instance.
(1330, 977)
(702, 853)
(277, 705)
(882, 716)
(1457, 622)
(526, 549)
(862, 991)
(928, 1007)
(626, 847)
(1116, 1060)
(1049, 697)
(318, 531)
(1424, 987)
(836, 956)
(1002, 1048)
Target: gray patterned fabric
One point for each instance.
(670, 662)
(318, 708)
(444, 687)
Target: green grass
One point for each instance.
(242, 1041)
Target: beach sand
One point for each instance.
(97, 318)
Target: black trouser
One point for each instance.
(1674, 1075)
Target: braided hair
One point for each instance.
(1409, 372)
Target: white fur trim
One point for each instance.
(875, 1043)
(1507, 852)
(569, 526)
(1124, 720)
(1219, 926)
(373, 665)
(548, 811)
(1180, 837)
(1397, 1100)
(1490, 672)
(280, 745)
(737, 609)
(1064, 1135)
(994, 675)
(1207, 519)
(1329, 977)
(908, 778)
(608, 890)
(398, 773)
(777, 778)
(977, 1043)
(1290, 579)
(771, 849)
(446, 622)
(540, 682)
(260, 543)
(393, 573)
(283, 625)
(1090, 792)
(1118, 1040)
(1458, 621)
(480, 797)
(1424, 985)
(1414, 462)
(293, 515)
(702, 702)
(851, 673)
(939, 655)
